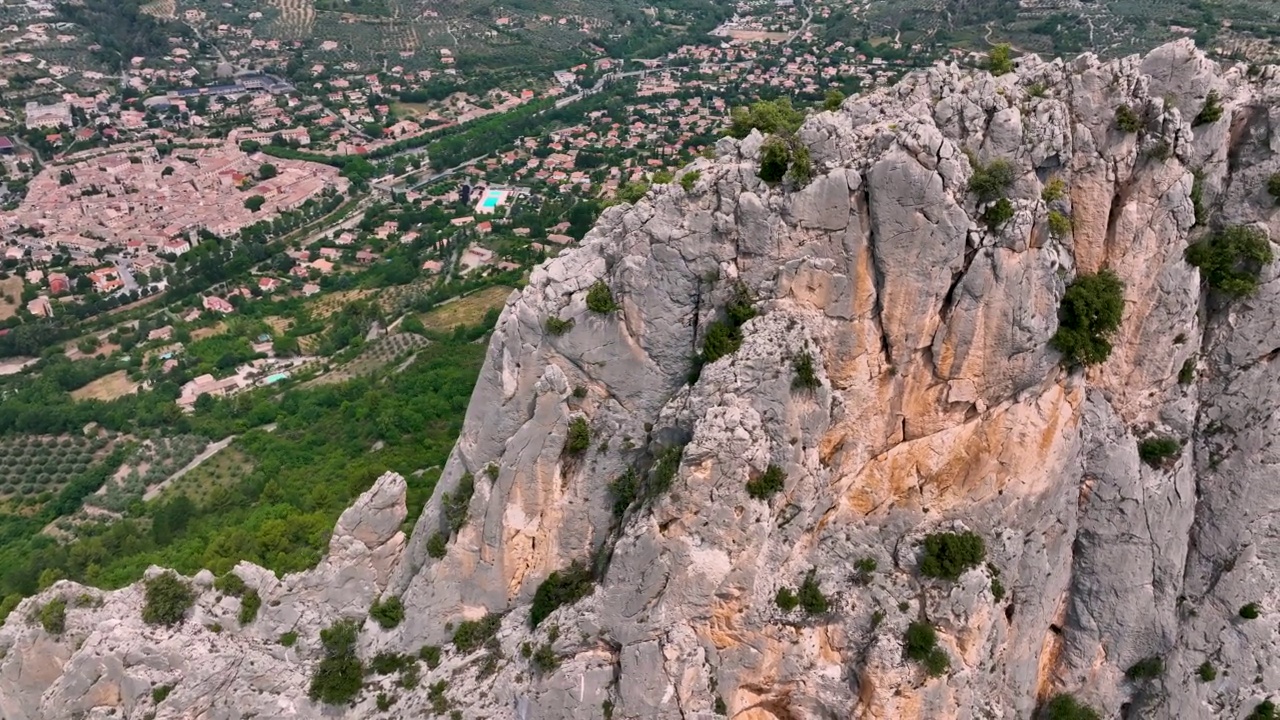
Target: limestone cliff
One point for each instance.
(940, 406)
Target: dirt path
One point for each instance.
(213, 449)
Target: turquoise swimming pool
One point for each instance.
(492, 199)
(276, 377)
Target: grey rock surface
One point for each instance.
(939, 406)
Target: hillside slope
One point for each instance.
(939, 406)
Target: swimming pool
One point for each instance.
(491, 200)
(277, 377)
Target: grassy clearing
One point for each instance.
(10, 296)
(225, 468)
(107, 387)
(467, 310)
(206, 332)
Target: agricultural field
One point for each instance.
(150, 464)
(33, 465)
(226, 468)
(330, 303)
(107, 387)
(394, 348)
(10, 296)
(466, 310)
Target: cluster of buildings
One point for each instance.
(138, 204)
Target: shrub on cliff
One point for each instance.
(768, 116)
(1156, 451)
(1127, 120)
(1231, 259)
(1273, 186)
(473, 634)
(1059, 224)
(53, 616)
(1211, 112)
(999, 61)
(920, 643)
(770, 483)
(1066, 707)
(1091, 310)
(454, 504)
(387, 613)
(775, 157)
(579, 438)
(340, 675)
(600, 298)
(990, 181)
(562, 587)
(167, 600)
(998, 213)
(806, 378)
(250, 603)
(689, 179)
(947, 555)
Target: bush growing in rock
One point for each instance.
(387, 613)
(53, 616)
(767, 116)
(556, 326)
(775, 157)
(1273, 186)
(454, 504)
(623, 490)
(562, 587)
(437, 545)
(1157, 451)
(770, 483)
(1059, 224)
(806, 378)
(1054, 190)
(579, 437)
(1211, 112)
(230, 584)
(1127, 120)
(998, 213)
(1187, 374)
(689, 179)
(473, 634)
(1231, 259)
(948, 555)
(544, 659)
(250, 603)
(600, 298)
(990, 181)
(1206, 672)
(863, 570)
(801, 171)
(920, 643)
(1147, 668)
(339, 676)
(1265, 710)
(810, 595)
(430, 654)
(786, 599)
(1250, 611)
(1066, 707)
(289, 639)
(1091, 310)
(999, 61)
(167, 600)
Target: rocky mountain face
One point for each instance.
(936, 404)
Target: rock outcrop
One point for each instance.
(939, 405)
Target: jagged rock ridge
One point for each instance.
(941, 405)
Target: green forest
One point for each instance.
(319, 457)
